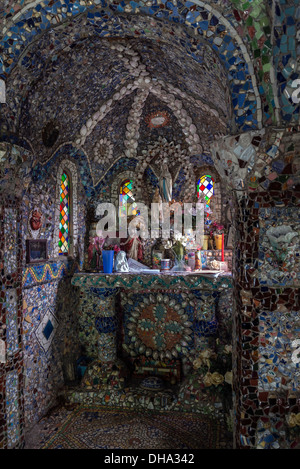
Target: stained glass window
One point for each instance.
(64, 218)
(126, 196)
(206, 185)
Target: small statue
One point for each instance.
(165, 183)
(133, 246)
(157, 200)
(121, 264)
(94, 252)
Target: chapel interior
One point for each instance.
(110, 110)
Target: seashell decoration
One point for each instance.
(169, 94)
(158, 327)
(103, 151)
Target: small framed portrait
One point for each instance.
(36, 250)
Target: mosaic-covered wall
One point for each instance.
(37, 299)
(49, 332)
(218, 78)
(50, 341)
(267, 309)
(11, 357)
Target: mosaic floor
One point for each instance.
(83, 427)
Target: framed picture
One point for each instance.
(36, 250)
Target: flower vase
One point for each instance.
(205, 242)
(198, 261)
(218, 241)
(179, 265)
(108, 261)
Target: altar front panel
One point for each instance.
(163, 328)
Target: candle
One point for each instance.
(222, 247)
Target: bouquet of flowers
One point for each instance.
(111, 247)
(216, 228)
(178, 249)
(214, 371)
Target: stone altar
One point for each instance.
(162, 317)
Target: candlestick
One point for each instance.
(222, 247)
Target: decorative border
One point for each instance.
(133, 281)
(47, 272)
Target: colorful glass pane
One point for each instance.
(64, 215)
(206, 185)
(126, 196)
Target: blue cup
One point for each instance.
(108, 261)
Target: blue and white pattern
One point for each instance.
(46, 330)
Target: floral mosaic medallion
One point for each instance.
(103, 151)
(159, 326)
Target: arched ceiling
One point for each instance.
(98, 71)
(233, 29)
(68, 79)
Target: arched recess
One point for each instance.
(115, 186)
(216, 201)
(71, 169)
(174, 157)
(115, 190)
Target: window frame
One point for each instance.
(70, 224)
(124, 181)
(70, 169)
(197, 183)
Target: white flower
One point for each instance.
(228, 377)
(2, 155)
(228, 349)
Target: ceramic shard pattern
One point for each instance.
(279, 256)
(12, 408)
(279, 366)
(46, 330)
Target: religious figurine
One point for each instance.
(91, 254)
(133, 246)
(94, 252)
(165, 183)
(157, 200)
(121, 264)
